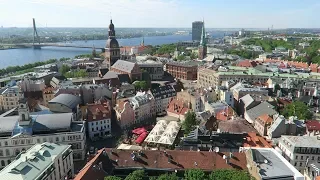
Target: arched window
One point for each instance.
(2, 163)
(23, 117)
(9, 161)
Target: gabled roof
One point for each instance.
(68, 100)
(262, 108)
(110, 75)
(123, 65)
(265, 118)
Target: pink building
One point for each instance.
(125, 114)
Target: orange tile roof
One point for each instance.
(225, 114)
(177, 106)
(255, 140)
(247, 63)
(88, 172)
(265, 118)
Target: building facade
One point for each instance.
(182, 70)
(19, 133)
(9, 98)
(98, 121)
(299, 150)
(47, 95)
(162, 96)
(196, 30)
(46, 161)
(112, 50)
(29, 85)
(125, 114)
(155, 69)
(143, 106)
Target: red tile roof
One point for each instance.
(151, 159)
(255, 140)
(247, 63)
(98, 110)
(313, 125)
(265, 118)
(225, 114)
(88, 172)
(177, 106)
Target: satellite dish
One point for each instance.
(218, 131)
(224, 157)
(216, 149)
(265, 161)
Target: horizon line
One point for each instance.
(2, 27)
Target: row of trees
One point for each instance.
(243, 53)
(14, 69)
(268, 45)
(193, 174)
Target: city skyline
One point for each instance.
(161, 13)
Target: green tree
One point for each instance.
(189, 122)
(193, 55)
(136, 175)
(172, 176)
(64, 69)
(141, 85)
(297, 108)
(112, 178)
(194, 174)
(181, 58)
(229, 174)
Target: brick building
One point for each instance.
(183, 70)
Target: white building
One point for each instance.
(299, 150)
(19, 133)
(9, 98)
(143, 106)
(162, 96)
(267, 163)
(98, 121)
(29, 85)
(46, 161)
(227, 97)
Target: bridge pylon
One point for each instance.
(36, 38)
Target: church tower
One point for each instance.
(24, 114)
(112, 50)
(203, 45)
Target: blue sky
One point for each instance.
(161, 13)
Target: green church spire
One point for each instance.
(203, 36)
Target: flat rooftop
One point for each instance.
(273, 166)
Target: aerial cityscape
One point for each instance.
(139, 90)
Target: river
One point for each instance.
(13, 57)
